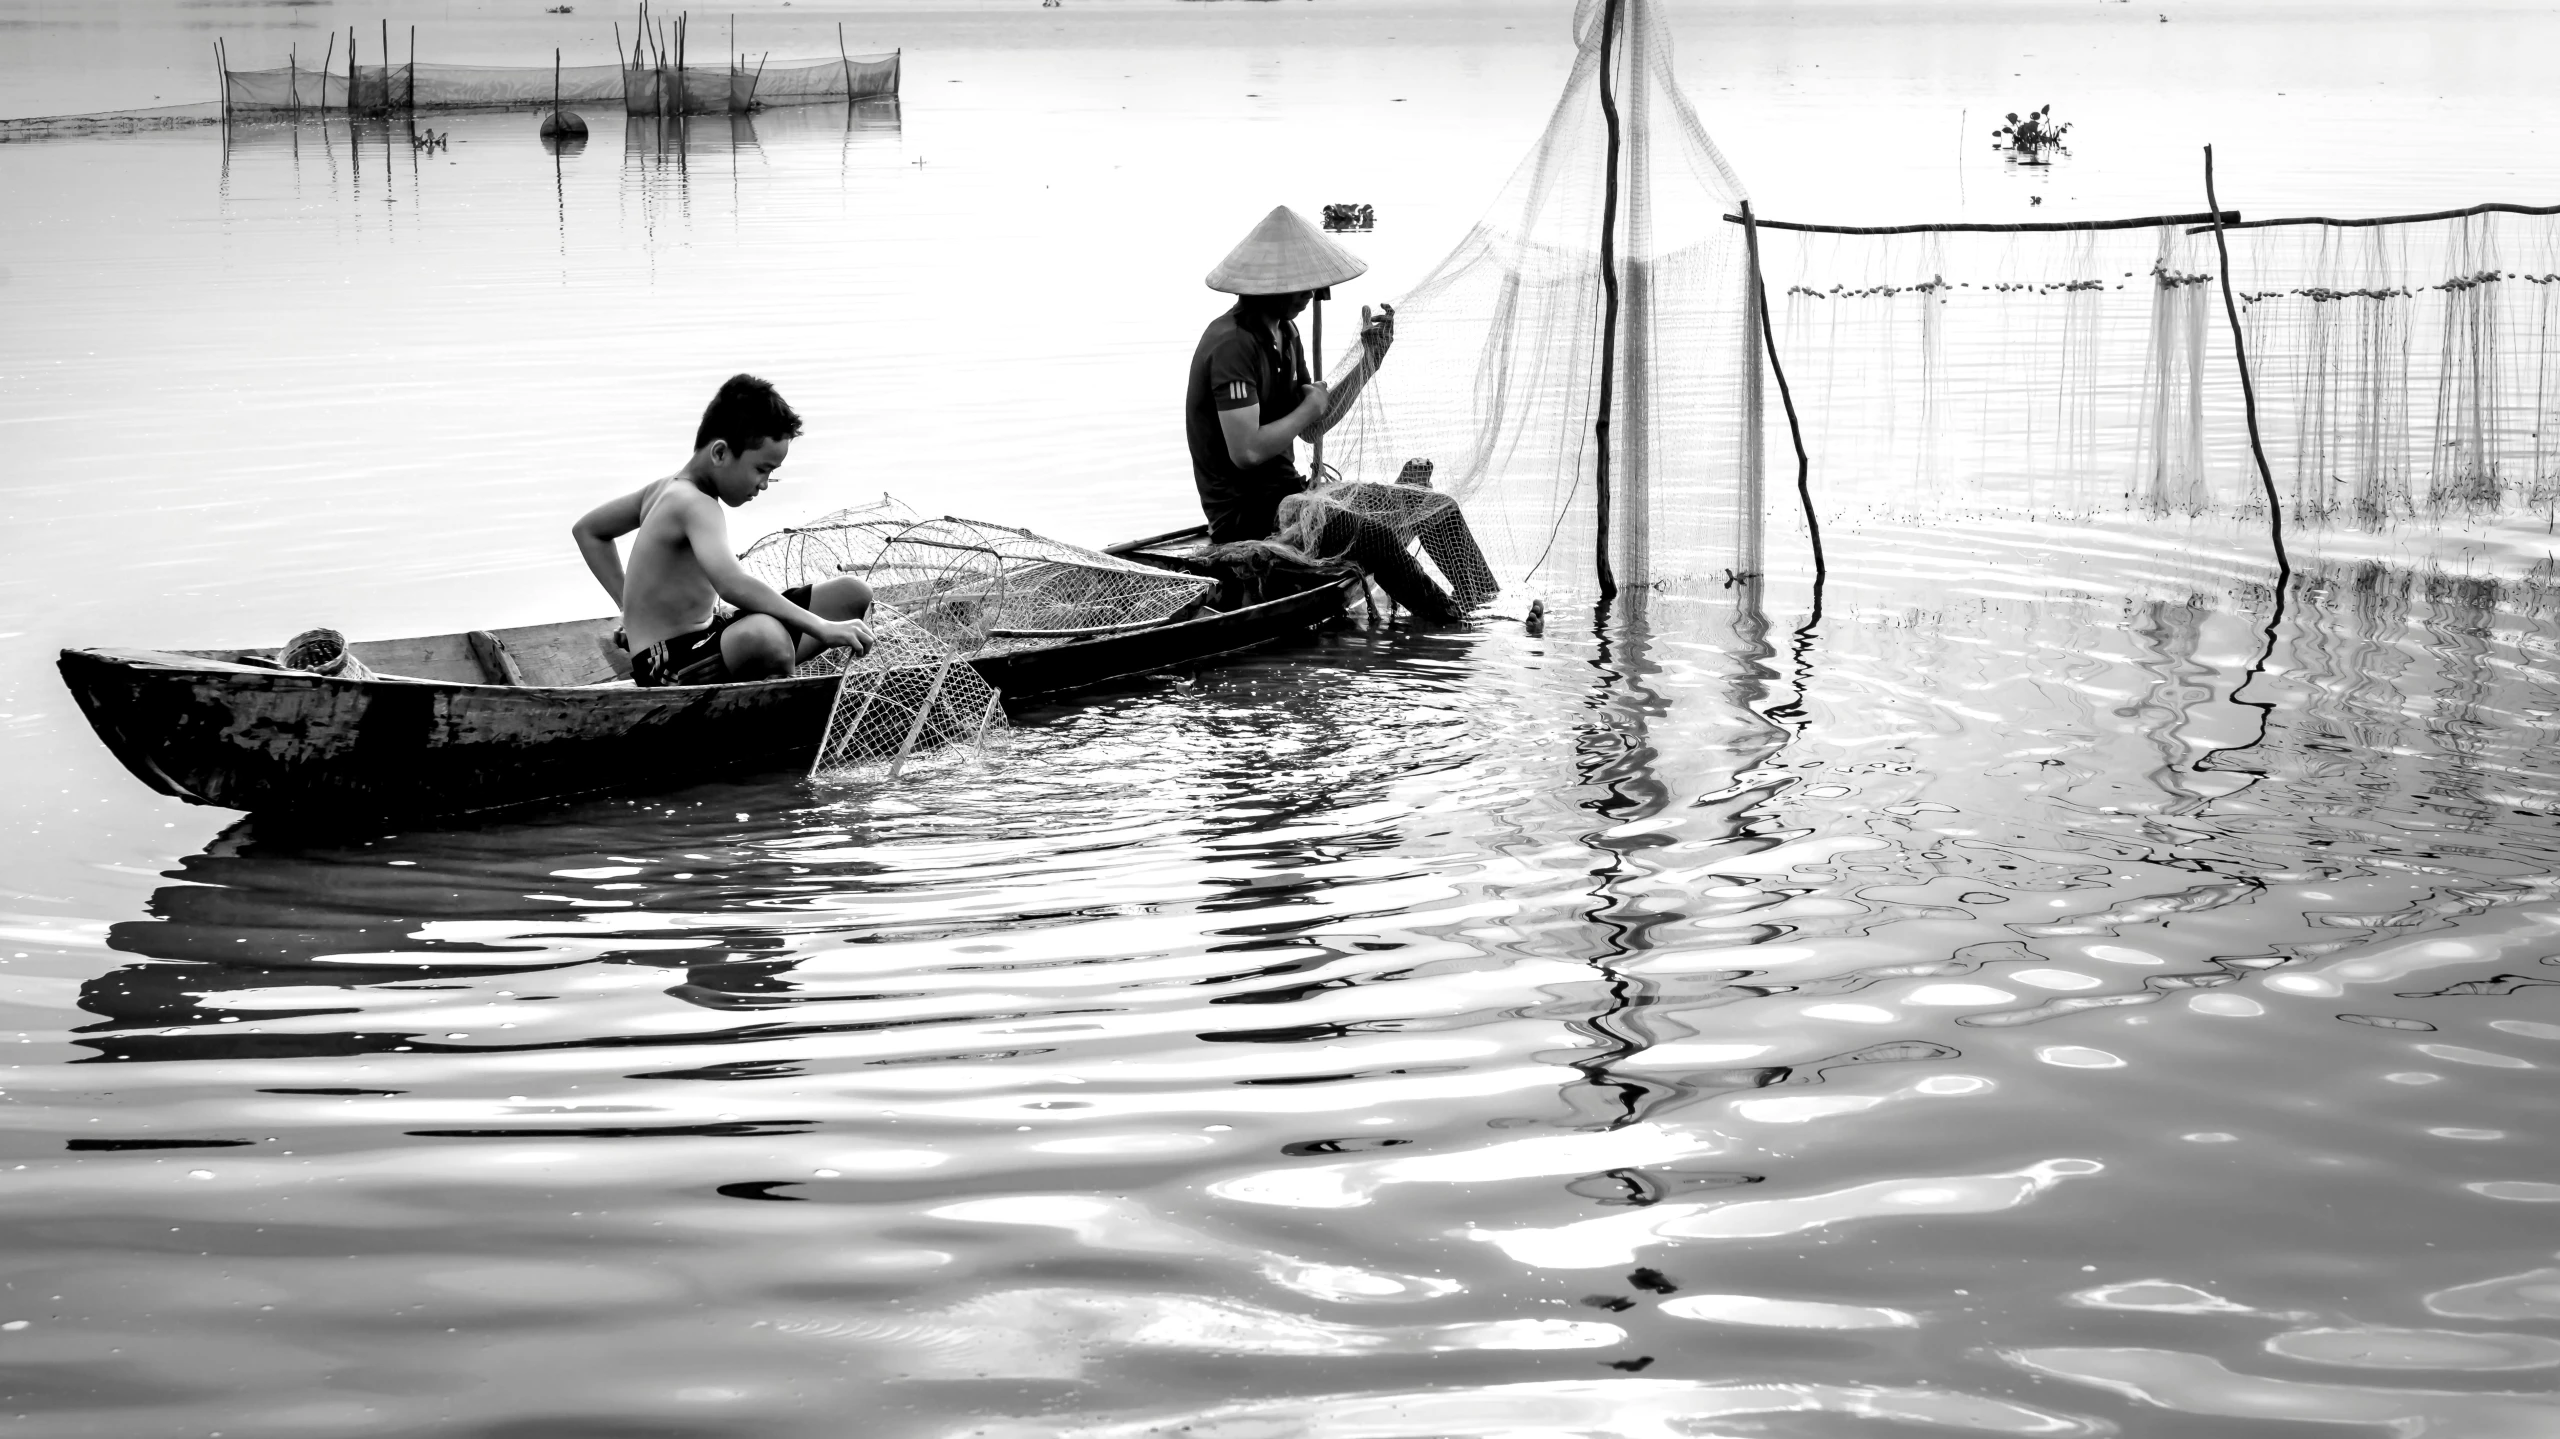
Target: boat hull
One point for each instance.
(248, 737)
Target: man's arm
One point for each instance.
(707, 535)
(1376, 334)
(1250, 442)
(595, 532)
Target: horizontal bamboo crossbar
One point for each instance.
(2206, 218)
(2490, 207)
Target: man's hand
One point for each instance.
(849, 634)
(1318, 399)
(1377, 333)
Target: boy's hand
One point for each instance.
(849, 634)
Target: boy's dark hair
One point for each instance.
(746, 413)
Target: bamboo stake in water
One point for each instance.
(1609, 303)
(1786, 397)
(326, 58)
(2248, 389)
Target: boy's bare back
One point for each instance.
(665, 590)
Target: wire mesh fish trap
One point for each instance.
(905, 701)
(976, 588)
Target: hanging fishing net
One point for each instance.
(2404, 370)
(1496, 373)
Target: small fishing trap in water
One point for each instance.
(944, 592)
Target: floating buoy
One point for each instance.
(560, 124)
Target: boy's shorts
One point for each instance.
(694, 659)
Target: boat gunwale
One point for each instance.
(215, 661)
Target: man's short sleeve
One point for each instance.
(1235, 373)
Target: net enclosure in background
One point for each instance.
(1495, 375)
(643, 86)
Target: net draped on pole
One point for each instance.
(1495, 375)
(946, 591)
(2405, 370)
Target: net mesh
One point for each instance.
(1410, 511)
(978, 589)
(640, 89)
(2403, 370)
(946, 591)
(908, 699)
(1495, 374)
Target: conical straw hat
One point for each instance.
(1283, 254)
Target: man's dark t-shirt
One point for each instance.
(1238, 364)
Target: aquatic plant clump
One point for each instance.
(2031, 137)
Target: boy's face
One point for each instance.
(741, 475)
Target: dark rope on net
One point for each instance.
(1786, 397)
(2143, 223)
(1608, 296)
(2266, 479)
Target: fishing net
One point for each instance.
(946, 591)
(907, 699)
(1322, 524)
(1496, 373)
(978, 589)
(638, 88)
(2405, 369)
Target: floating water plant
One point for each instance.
(2031, 138)
(1350, 217)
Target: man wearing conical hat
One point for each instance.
(1251, 399)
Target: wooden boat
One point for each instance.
(491, 718)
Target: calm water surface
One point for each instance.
(1977, 1014)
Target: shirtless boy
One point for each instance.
(681, 560)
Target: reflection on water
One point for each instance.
(1971, 1012)
(1454, 1028)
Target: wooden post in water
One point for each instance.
(409, 100)
(1608, 302)
(222, 82)
(351, 71)
(2248, 390)
(1786, 397)
(326, 58)
(848, 70)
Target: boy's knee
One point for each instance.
(842, 598)
(757, 647)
